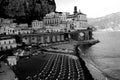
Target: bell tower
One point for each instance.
(75, 10)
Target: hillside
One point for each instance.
(26, 10)
(111, 21)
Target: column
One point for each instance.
(42, 39)
(53, 39)
(62, 37)
(58, 37)
(48, 39)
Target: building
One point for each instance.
(7, 42)
(23, 26)
(59, 28)
(56, 21)
(80, 35)
(44, 38)
(15, 29)
(7, 30)
(55, 18)
(6, 21)
(52, 19)
(37, 24)
(78, 20)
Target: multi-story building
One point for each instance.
(52, 19)
(37, 24)
(78, 20)
(15, 29)
(57, 21)
(55, 18)
(7, 42)
(23, 25)
(7, 30)
(6, 21)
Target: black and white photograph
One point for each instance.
(59, 39)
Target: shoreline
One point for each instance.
(99, 72)
(72, 46)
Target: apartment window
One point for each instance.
(4, 42)
(9, 42)
(1, 48)
(33, 38)
(26, 38)
(10, 47)
(6, 47)
(13, 31)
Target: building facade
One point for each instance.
(43, 38)
(79, 35)
(23, 26)
(55, 19)
(78, 20)
(6, 29)
(37, 24)
(7, 42)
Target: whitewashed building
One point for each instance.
(7, 42)
(23, 25)
(57, 21)
(80, 20)
(37, 24)
(77, 21)
(7, 30)
(55, 18)
(14, 29)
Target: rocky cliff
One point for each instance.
(26, 10)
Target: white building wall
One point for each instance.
(7, 44)
(37, 24)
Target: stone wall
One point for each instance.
(55, 37)
(44, 38)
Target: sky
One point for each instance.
(93, 8)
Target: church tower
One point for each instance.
(75, 10)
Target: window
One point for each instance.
(33, 38)
(6, 47)
(10, 47)
(26, 38)
(1, 48)
(13, 31)
(9, 42)
(4, 42)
